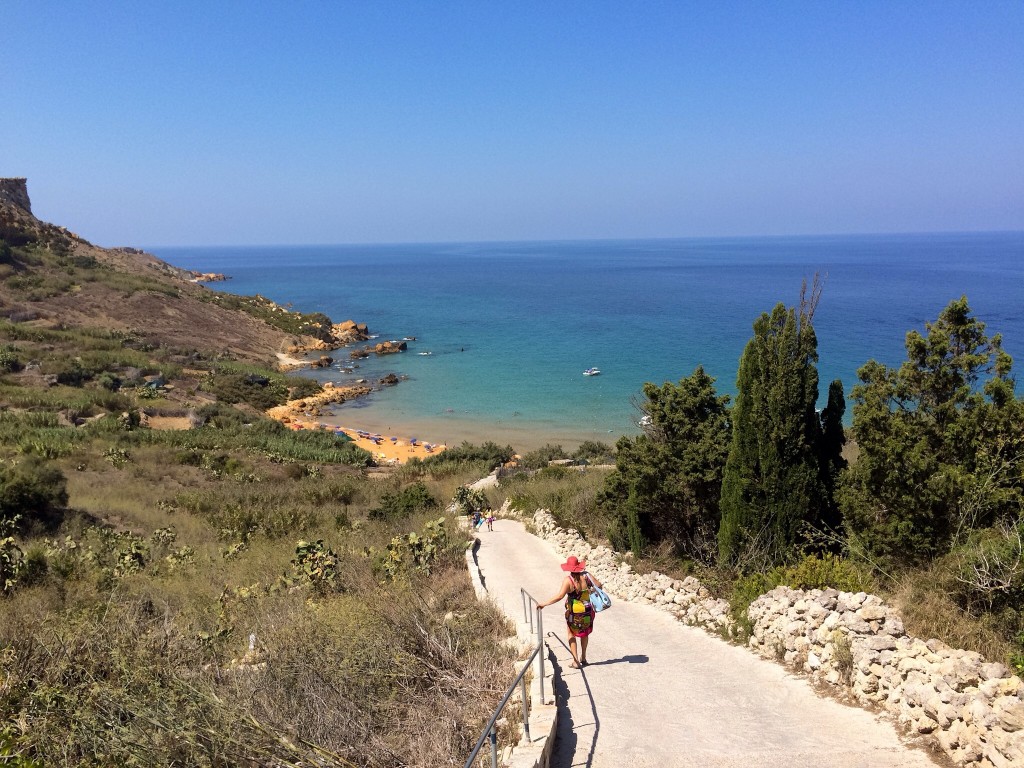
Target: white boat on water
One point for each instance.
(592, 372)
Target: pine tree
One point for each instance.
(772, 482)
(668, 480)
(941, 443)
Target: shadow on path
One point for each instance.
(476, 561)
(567, 732)
(636, 658)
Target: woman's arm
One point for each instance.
(594, 579)
(564, 591)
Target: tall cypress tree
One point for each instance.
(772, 482)
(830, 453)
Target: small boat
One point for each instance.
(424, 354)
(592, 372)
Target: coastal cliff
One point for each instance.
(14, 191)
(71, 281)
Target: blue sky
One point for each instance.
(178, 123)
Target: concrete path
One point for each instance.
(658, 693)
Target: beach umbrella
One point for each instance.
(394, 439)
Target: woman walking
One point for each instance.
(579, 613)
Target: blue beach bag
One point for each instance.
(598, 597)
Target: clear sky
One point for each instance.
(176, 123)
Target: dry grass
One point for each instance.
(144, 667)
(923, 599)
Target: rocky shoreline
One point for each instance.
(307, 408)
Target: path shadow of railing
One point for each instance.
(636, 658)
(567, 738)
(476, 561)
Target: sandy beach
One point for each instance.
(386, 449)
(394, 436)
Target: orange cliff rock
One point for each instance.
(309, 407)
(341, 334)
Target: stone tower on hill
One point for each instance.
(15, 191)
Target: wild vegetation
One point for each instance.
(234, 592)
(230, 592)
(929, 511)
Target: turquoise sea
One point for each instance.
(510, 327)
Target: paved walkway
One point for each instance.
(658, 693)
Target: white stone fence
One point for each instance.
(854, 643)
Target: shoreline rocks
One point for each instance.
(206, 277)
(381, 348)
(309, 407)
(338, 335)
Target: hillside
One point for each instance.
(52, 276)
(184, 581)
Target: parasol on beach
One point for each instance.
(394, 439)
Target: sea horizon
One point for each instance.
(504, 329)
(154, 249)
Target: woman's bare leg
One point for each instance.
(572, 649)
(583, 649)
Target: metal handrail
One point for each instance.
(489, 730)
(530, 600)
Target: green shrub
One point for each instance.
(416, 551)
(469, 500)
(332, 492)
(988, 570)
(11, 555)
(9, 361)
(317, 565)
(813, 572)
(69, 373)
(554, 473)
(33, 490)
(595, 452)
(746, 590)
(12, 752)
(234, 387)
(825, 571)
(489, 454)
(299, 387)
(540, 457)
(404, 503)
(108, 381)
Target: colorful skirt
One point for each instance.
(579, 617)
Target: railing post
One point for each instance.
(525, 710)
(540, 653)
(494, 747)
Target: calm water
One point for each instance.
(511, 326)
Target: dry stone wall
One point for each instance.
(974, 709)
(686, 599)
(853, 642)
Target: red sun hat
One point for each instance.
(573, 565)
